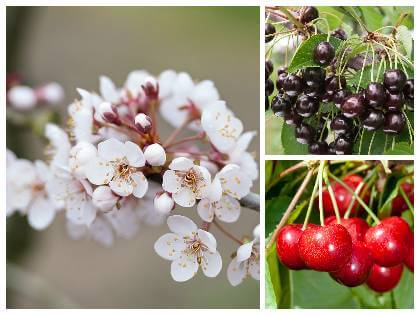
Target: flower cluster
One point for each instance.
(110, 171)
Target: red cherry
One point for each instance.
(399, 204)
(399, 224)
(356, 227)
(383, 279)
(388, 243)
(325, 248)
(357, 269)
(409, 260)
(287, 246)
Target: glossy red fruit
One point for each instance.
(342, 196)
(287, 246)
(325, 248)
(356, 227)
(388, 242)
(409, 260)
(357, 269)
(399, 204)
(398, 224)
(383, 279)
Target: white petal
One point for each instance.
(205, 210)
(169, 246)
(171, 182)
(185, 197)
(40, 214)
(108, 90)
(101, 232)
(214, 192)
(183, 85)
(227, 209)
(80, 210)
(181, 164)
(181, 225)
(204, 184)
(254, 269)
(244, 251)
(124, 220)
(111, 149)
(204, 93)
(134, 154)
(166, 80)
(236, 272)
(211, 264)
(121, 187)
(207, 239)
(99, 171)
(234, 182)
(76, 231)
(256, 233)
(140, 184)
(184, 268)
(134, 81)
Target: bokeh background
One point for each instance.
(73, 46)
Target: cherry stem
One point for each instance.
(334, 201)
(291, 18)
(368, 210)
(198, 136)
(407, 201)
(320, 201)
(292, 169)
(290, 208)
(224, 231)
(311, 201)
(176, 132)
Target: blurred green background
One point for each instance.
(73, 46)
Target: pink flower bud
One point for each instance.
(155, 154)
(109, 113)
(104, 199)
(51, 93)
(151, 88)
(143, 123)
(22, 97)
(163, 203)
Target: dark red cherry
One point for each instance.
(375, 94)
(388, 245)
(334, 83)
(398, 204)
(287, 246)
(306, 106)
(331, 148)
(267, 103)
(339, 33)
(270, 31)
(280, 81)
(325, 248)
(279, 106)
(293, 85)
(341, 124)
(383, 279)
(308, 14)
(291, 117)
(343, 145)
(394, 80)
(394, 101)
(281, 70)
(373, 119)
(268, 68)
(356, 227)
(319, 147)
(398, 223)
(409, 89)
(304, 133)
(409, 260)
(394, 122)
(313, 76)
(353, 106)
(269, 87)
(324, 53)
(356, 271)
(339, 97)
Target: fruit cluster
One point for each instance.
(302, 97)
(351, 251)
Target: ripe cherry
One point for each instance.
(398, 204)
(398, 223)
(383, 279)
(281, 70)
(308, 14)
(331, 148)
(279, 106)
(304, 133)
(339, 33)
(409, 89)
(280, 81)
(388, 245)
(287, 246)
(339, 97)
(270, 31)
(324, 53)
(394, 122)
(357, 269)
(343, 145)
(394, 80)
(269, 87)
(306, 106)
(375, 94)
(291, 117)
(293, 85)
(313, 76)
(373, 119)
(334, 83)
(319, 147)
(409, 260)
(394, 101)
(356, 227)
(268, 68)
(341, 124)
(267, 103)
(325, 248)
(353, 106)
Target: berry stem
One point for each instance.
(224, 231)
(379, 69)
(291, 18)
(368, 210)
(363, 69)
(371, 141)
(290, 208)
(334, 201)
(314, 190)
(410, 127)
(292, 169)
(361, 140)
(373, 63)
(320, 201)
(407, 201)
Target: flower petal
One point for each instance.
(99, 171)
(166, 80)
(181, 225)
(181, 164)
(211, 264)
(111, 149)
(108, 90)
(234, 182)
(254, 269)
(184, 268)
(121, 187)
(244, 251)
(101, 232)
(204, 184)
(40, 214)
(207, 239)
(227, 209)
(134, 154)
(236, 272)
(205, 210)
(185, 197)
(140, 184)
(169, 246)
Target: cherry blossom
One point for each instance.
(189, 248)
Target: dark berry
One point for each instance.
(325, 248)
(394, 80)
(341, 124)
(375, 94)
(353, 106)
(394, 122)
(326, 98)
(356, 271)
(287, 246)
(409, 89)
(394, 101)
(291, 117)
(281, 70)
(293, 85)
(267, 103)
(269, 87)
(279, 106)
(304, 133)
(308, 14)
(383, 279)
(306, 106)
(334, 83)
(324, 53)
(280, 81)
(339, 33)
(313, 76)
(331, 148)
(343, 145)
(319, 147)
(268, 69)
(270, 31)
(373, 120)
(339, 97)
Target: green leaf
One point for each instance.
(273, 127)
(386, 208)
(401, 148)
(268, 171)
(371, 17)
(304, 54)
(377, 146)
(370, 299)
(404, 292)
(270, 294)
(272, 276)
(289, 143)
(404, 35)
(274, 210)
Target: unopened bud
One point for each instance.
(104, 199)
(109, 113)
(22, 97)
(151, 88)
(143, 123)
(155, 154)
(51, 93)
(163, 203)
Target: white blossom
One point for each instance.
(22, 97)
(100, 230)
(163, 203)
(146, 209)
(52, 93)
(155, 154)
(235, 183)
(188, 248)
(239, 156)
(79, 157)
(104, 199)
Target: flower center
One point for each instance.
(123, 169)
(191, 180)
(196, 248)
